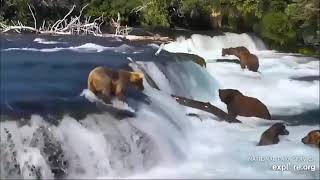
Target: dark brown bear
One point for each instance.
(106, 82)
(238, 104)
(249, 60)
(313, 137)
(271, 135)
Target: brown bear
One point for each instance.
(234, 51)
(238, 104)
(249, 60)
(246, 58)
(313, 137)
(105, 82)
(271, 135)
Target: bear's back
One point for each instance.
(249, 106)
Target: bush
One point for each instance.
(156, 13)
(277, 27)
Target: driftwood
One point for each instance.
(207, 107)
(145, 39)
(66, 26)
(120, 30)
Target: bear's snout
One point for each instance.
(304, 140)
(285, 132)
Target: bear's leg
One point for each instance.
(120, 93)
(232, 112)
(242, 64)
(106, 95)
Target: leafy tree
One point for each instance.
(110, 8)
(15, 10)
(277, 27)
(247, 6)
(305, 15)
(155, 12)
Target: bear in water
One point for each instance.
(247, 59)
(105, 82)
(313, 137)
(238, 104)
(271, 135)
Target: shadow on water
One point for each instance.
(305, 118)
(306, 78)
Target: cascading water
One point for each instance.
(158, 140)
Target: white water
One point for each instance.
(85, 48)
(162, 142)
(44, 41)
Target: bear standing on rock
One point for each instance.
(246, 58)
(239, 104)
(105, 82)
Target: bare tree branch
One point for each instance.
(66, 25)
(34, 18)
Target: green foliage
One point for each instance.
(277, 27)
(110, 8)
(15, 10)
(308, 51)
(155, 12)
(248, 6)
(305, 11)
(204, 6)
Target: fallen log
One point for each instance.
(207, 107)
(151, 82)
(145, 39)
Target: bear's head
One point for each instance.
(279, 129)
(313, 137)
(227, 95)
(136, 78)
(225, 51)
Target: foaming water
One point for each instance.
(88, 48)
(100, 145)
(183, 79)
(207, 46)
(44, 41)
(160, 140)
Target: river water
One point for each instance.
(52, 127)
